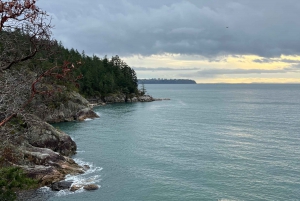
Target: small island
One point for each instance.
(165, 81)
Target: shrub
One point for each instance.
(13, 179)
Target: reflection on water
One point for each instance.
(209, 142)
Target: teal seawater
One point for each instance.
(209, 142)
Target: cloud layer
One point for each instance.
(218, 72)
(266, 28)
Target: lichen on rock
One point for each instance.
(43, 135)
(61, 108)
(41, 150)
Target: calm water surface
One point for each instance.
(209, 142)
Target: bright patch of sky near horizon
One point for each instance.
(222, 41)
(227, 69)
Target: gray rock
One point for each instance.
(145, 98)
(134, 99)
(48, 166)
(121, 98)
(86, 167)
(115, 98)
(75, 188)
(86, 113)
(60, 110)
(44, 135)
(90, 187)
(62, 185)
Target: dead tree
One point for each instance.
(15, 87)
(24, 31)
(22, 19)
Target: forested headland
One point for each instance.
(42, 82)
(99, 76)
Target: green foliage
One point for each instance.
(13, 179)
(143, 89)
(18, 123)
(100, 76)
(104, 76)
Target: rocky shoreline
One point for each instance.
(121, 98)
(47, 151)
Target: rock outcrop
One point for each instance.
(115, 98)
(121, 98)
(44, 151)
(85, 114)
(145, 98)
(88, 187)
(62, 109)
(44, 135)
(41, 150)
(45, 165)
(62, 185)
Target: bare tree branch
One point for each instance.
(25, 30)
(22, 19)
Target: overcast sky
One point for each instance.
(210, 41)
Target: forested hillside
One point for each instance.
(100, 76)
(39, 83)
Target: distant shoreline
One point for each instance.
(166, 81)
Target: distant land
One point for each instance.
(166, 81)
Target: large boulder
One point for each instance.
(44, 135)
(85, 114)
(90, 187)
(48, 166)
(62, 185)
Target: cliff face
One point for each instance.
(46, 165)
(48, 148)
(70, 108)
(40, 149)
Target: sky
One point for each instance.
(209, 41)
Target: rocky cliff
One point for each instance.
(43, 151)
(71, 107)
(40, 149)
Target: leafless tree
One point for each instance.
(22, 19)
(24, 31)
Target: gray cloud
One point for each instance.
(269, 60)
(218, 72)
(295, 67)
(266, 28)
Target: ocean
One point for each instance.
(218, 142)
